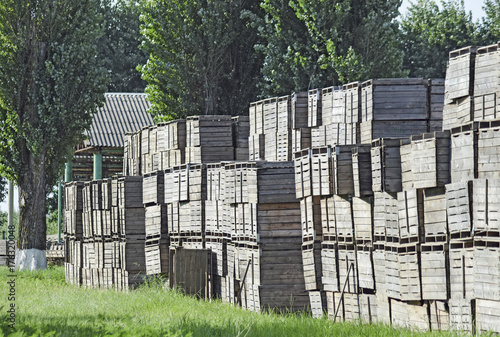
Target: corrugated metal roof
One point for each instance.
(121, 113)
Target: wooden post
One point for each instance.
(97, 166)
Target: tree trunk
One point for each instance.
(31, 254)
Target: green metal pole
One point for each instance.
(68, 175)
(59, 210)
(97, 166)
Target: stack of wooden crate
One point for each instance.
(185, 195)
(217, 229)
(278, 127)
(156, 232)
(105, 249)
(209, 139)
(264, 263)
(73, 231)
(459, 88)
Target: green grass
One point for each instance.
(47, 306)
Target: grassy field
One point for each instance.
(47, 306)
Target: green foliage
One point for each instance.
(308, 44)
(201, 58)
(50, 81)
(119, 45)
(490, 31)
(3, 188)
(430, 33)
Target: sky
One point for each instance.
(470, 5)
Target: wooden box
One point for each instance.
(410, 272)
(464, 152)
(488, 150)
(435, 271)
(314, 108)
(459, 81)
(430, 157)
(394, 99)
(329, 278)
(362, 170)
(386, 165)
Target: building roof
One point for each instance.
(121, 113)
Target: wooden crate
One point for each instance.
(486, 107)
(379, 269)
(410, 272)
(349, 134)
(314, 108)
(394, 99)
(430, 157)
(310, 212)
(464, 152)
(401, 311)
(209, 131)
(385, 217)
(459, 81)
(301, 139)
(435, 271)
(155, 221)
(153, 188)
(360, 308)
(73, 198)
(343, 218)
(156, 255)
(209, 154)
(284, 114)
(392, 279)
(330, 273)
(132, 222)
(270, 114)
(318, 136)
(374, 129)
(347, 260)
(435, 220)
(321, 171)
(197, 182)
(270, 146)
(461, 318)
(364, 258)
(436, 99)
(462, 269)
(488, 157)
(486, 73)
(130, 192)
(353, 102)
(411, 215)
(256, 147)
(342, 169)
(311, 260)
(386, 165)
(303, 173)
(332, 105)
(284, 146)
(271, 182)
(362, 215)
(463, 209)
(362, 170)
(487, 269)
(458, 112)
(487, 316)
(406, 164)
(328, 221)
(318, 303)
(255, 117)
(299, 109)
